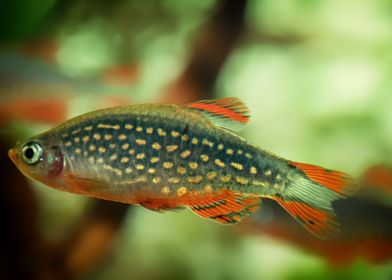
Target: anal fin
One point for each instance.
(226, 207)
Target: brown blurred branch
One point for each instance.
(93, 238)
(213, 45)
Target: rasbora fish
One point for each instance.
(167, 156)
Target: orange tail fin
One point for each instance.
(310, 194)
(321, 223)
(334, 180)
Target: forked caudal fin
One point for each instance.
(334, 180)
(310, 195)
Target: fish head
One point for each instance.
(39, 159)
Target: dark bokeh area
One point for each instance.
(315, 75)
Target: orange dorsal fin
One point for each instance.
(334, 180)
(226, 207)
(320, 222)
(230, 113)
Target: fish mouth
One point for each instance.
(13, 155)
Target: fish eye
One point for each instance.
(31, 152)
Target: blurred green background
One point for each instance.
(316, 76)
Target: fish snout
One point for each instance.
(13, 155)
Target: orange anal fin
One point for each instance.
(229, 113)
(334, 180)
(321, 223)
(227, 207)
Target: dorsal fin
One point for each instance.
(230, 113)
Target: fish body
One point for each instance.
(167, 156)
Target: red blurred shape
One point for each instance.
(339, 251)
(121, 74)
(51, 111)
(379, 177)
(43, 48)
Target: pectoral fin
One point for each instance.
(84, 185)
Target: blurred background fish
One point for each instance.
(316, 76)
(35, 91)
